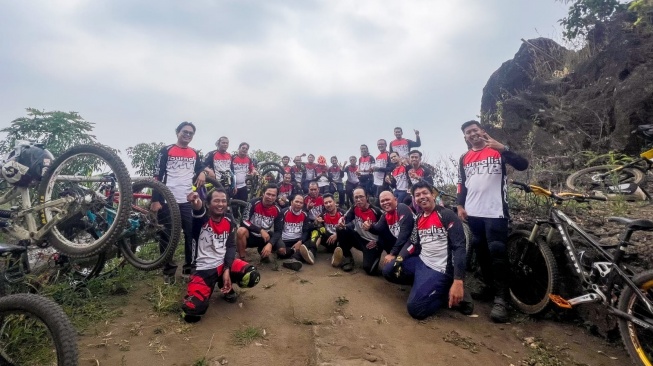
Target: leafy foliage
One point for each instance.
(143, 157)
(262, 156)
(584, 14)
(643, 9)
(57, 130)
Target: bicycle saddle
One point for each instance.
(10, 248)
(635, 224)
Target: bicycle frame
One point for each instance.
(609, 269)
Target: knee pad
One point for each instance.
(194, 306)
(251, 277)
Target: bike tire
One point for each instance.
(638, 341)
(584, 179)
(64, 335)
(470, 260)
(280, 172)
(265, 165)
(216, 184)
(141, 247)
(533, 273)
(237, 207)
(110, 233)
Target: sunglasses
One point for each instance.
(187, 133)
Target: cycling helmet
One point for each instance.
(25, 164)
(321, 160)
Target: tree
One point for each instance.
(143, 157)
(584, 14)
(57, 130)
(262, 156)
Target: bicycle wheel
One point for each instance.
(90, 175)
(533, 273)
(269, 164)
(237, 208)
(152, 238)
(595, 178)
(34, 330)
(637, 339)
(471, 263)
(275, 173)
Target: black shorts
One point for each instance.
(254, 241)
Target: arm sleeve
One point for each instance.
(456, 236)
(409, 247)
(160, 171)
(515, 160)
(417, 143)
(199, 165)
(349, 219)
(306, 229)
(278, 227)
(406, 225)
(208, 161)
(379, 226)
(462, 190)
(231, 244)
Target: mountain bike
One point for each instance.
(34, 330)
(604, 278)
(609, 177)
(71, 203)
(236, 207)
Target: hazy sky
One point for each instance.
(299, 76)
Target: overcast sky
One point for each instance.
(298, 76)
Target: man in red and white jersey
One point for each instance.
(218, 165)
(335, 177)
(214, 230)
(381, 168)
(258, 223)
(313, 202)
(286, 189)
(297, 172)
(352, 235)
(398, 177)
(241, 165)
(401, 145)
(285, 164)
(394, 227)
(417, 171)
(310, 173)
(433, 261)
(351, 171)
(175, 167)
(483, 202)
(325, 230)
(365, 165)
(291, 234)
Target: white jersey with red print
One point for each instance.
(401, 178)
(381, 162)
(176, 166)
(485, 183)
(434, 241)
(365, 164)
(212, 242)
(241, 167)
(293, 224)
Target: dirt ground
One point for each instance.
(322, 316)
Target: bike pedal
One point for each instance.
(560, 302)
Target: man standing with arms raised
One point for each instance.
(401, 145)
(483, 203)
(380, 167)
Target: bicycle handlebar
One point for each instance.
(563, 196)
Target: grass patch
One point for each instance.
(245, 336)
(165, 298)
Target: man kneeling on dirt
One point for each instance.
(437, 272)
(215, 232)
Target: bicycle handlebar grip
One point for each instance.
(521, 185)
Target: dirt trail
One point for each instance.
(305, 324)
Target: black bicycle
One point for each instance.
(604, 278)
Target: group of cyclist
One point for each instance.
(424, 242)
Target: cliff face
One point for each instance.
(552, 103)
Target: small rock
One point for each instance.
(529, 340)
(240, 304)
(370, 358)
(372, 346)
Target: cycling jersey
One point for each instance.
(441, 237)
(352, 177)
(291, 226)
(331, 220)
(256, 216)
(297, 174)
(422, 174)
(309, 172)
(219, 162)
(403, 146)
(216, 242)
(241, 166)
(381, 163)
(482, 181)
(285, 190)
(176, 167)
(322, 177)
(317, 208)
(401, 177)
(286, 168)
(335, 174)
(399, 223)
(365, 164)
(355, 217)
